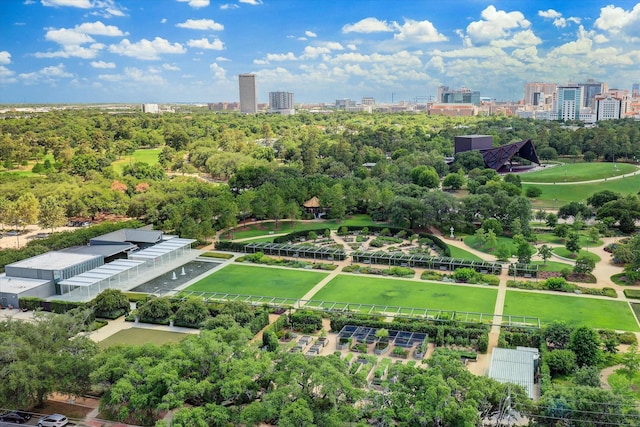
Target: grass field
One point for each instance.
(457, 252)
(286, 226)
(583, 240)
(574, 310)
(552, 266)
(138, 336)
(149, 156)
(563, 252)
(251, 280)
(575, 172)
(375, 290)
(472, 241)
(558, 195)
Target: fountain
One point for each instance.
(174, 277)
(182, 273)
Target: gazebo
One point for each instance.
(312, 206)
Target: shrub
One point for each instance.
(628, 338)
(217, 255)
(306, 321)
(155, 310)
(111, 304)
(561, 362)
(533, 192)
(464, 274)
(629, 293)
(555, 283)
(191, 313)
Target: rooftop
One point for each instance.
(514, 366)
(57, 260)
(17, 285)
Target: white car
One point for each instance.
(55, 420)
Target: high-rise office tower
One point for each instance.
(535, 93)
(591, 89)
(569, 101)
(281, 102)
(248, 94)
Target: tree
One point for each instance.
(573, 242)
(561, 230)
(631, 360)
(23, 212)
(572, 209)
(585, 343)
(545, 253)
(502, 252)
(524, 251)
(551, 220)
(598, 199)
(453, 181)
(52, 213)
(588, 376)
(558, 334)
(425, 176)
(561, 362)
(584, 264)
(192, 312)
(594, 234)
(492, 224)
(110, 303)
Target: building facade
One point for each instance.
(248, 93)
(569, 101)
(590, 90)
(281, 102)
(536, 93)
(458, 96)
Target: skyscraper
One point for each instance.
(281, 102)
(248, 94)
(535, 93)
(591, 89)
(569, 101)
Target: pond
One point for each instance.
(175, 278)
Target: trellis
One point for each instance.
(523, 270)
(296, 251)
(424, 261)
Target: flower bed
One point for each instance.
(563, 286)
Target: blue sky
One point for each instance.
(84, 51)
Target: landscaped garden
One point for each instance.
(574, 310)
(252, 280)
(404, 293)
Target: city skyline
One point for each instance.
(87, 51)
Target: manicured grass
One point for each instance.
(138, 336)
(404, 293)
(575, 172)
(149, 156)
(552, 266)
(563, 252)
(286, 226)
(574, 310)
(252, 280)
(564, 194)
(583, 240)
(457, 252)
(472, 242)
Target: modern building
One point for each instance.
(568, 102)
(281, 103)
(345, 104)
(517, 366)
(590, 89)
(248, 93)
(458, 96)
(368, 101)
(150, 108)
(635, 90)
(472, 142)
(497, 158)
(536, 93)
(452, 110)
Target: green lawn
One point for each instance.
(457, 252)
(404, 293)
(472, 241)
(263, 281)
(575, 172)
(563, 252)
(552, 238)
(558, 195)
(552, 266)
(138, 336)
(574, 310)
(149, 156)
(286, 226)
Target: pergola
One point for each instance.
(424, 261)
(523, 270)
(165, 251)
(399, 338)
(296, 251)
(102, 277)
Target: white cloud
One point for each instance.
(73, 51)
(218, 72)
(201, 24)
(102, 64)
(6, 74)
(418, 31)
(5, 57)
(65, 36)
(49, 74)
(581, 46)
(368, 25)
(352, 46)
(260, 61)
(146, 49)
(616, 20)
(550, 14)
(170, 67)
(222, 59)
(496, 25)
(310, 34)
(82, 4)
(196, 3)
(521, 39)
(227, 6)
(332, 45)
(133, 75)
(276, 57)
(99, 29)
(163, 21)
(206, 44)
(251, 2)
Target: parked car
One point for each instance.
(14, 417)
(55, 420)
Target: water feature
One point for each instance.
(171, 280)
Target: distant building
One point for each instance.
(590, 89)
(458, 96)
(452, 110)
(568, 103)
(472, 142)
(368, 101)
(150, 108)
(281, 102)
(536, 93)
(345, 104)
(635, 90)
(248, 93)
(224, 106)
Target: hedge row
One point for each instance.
(35, 303)
(632, 293)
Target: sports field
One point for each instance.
(404, 293)
(596, 313)
(253, 280)
(575, 172)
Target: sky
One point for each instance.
(164, 51)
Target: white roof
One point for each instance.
(17, 285)
(101, 273)
(513, 366)
(54, 260)
(161, 249)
